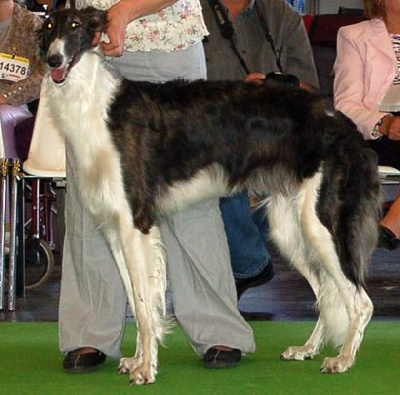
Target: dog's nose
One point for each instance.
(54, 60)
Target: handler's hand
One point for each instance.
(256, 78)
(118, 19)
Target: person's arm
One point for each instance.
(26, 90)
(124, 12)
(349, 89)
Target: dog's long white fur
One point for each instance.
(295, 227)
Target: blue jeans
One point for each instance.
(246, 231)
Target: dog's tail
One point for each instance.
(357, 231)
(350, 206)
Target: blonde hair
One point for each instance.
(374, 8)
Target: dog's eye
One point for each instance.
(75, 25)
(49, 25)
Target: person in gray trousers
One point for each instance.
(93, 302)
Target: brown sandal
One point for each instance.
(83, 362)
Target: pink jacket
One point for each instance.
(364, 70)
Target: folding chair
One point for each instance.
(30, 259)
(44, 171)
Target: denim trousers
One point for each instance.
(247, 232)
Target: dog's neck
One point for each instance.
(79, 105)
(89, 83)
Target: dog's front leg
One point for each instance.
(145, 265)
(126, 364)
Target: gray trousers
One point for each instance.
(93, 302)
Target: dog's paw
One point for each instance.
(126, 365)
(139, 373)
(339, 364)
(142, 375)
(300, 353)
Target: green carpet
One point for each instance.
(31, 364)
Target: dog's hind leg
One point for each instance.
(345, 309)
(286, 232)
(142, 267)
(358, 313)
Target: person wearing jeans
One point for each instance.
(265, 37)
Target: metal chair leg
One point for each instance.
(3, 189)
(20, 251)
(12, 277)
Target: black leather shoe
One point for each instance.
(387, 239)
(220, 359)
(243, 284)
(75, 362)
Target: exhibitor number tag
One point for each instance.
(13, 68)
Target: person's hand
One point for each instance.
(391, 127)
(256, 78)
(118, 19)
(308, 87)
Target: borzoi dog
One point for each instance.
(146, 150)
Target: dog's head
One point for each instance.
(67, 34)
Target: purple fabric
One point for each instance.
(11, 116)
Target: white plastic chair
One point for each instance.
(46, 156)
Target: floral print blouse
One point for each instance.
(176, 27)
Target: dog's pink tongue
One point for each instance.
(58, 75)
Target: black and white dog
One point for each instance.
(146, 150)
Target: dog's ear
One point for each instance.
(97, 19)
(43, 37)
(97, 22)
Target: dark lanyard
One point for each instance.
(226, 30)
